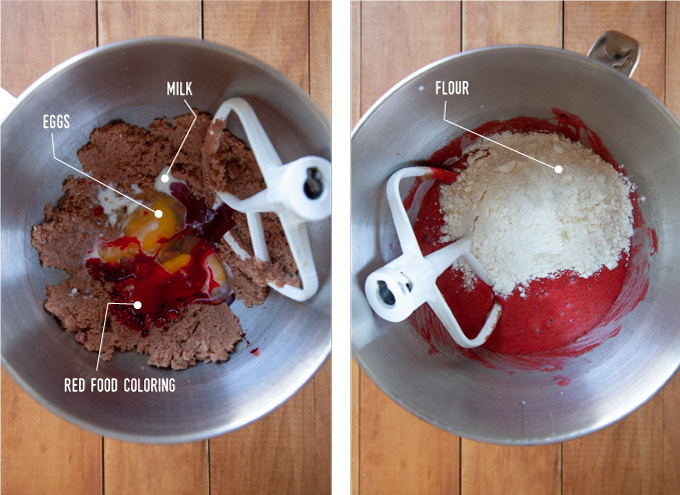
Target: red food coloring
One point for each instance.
(123, 242)
(256, 351)
(163, 294)
(433, 350)
(655, 241)
(562, 380)
(208, 224)
(444, 175)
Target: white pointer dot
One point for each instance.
(557, 169)
(158, 213)
(164, 178)
(137, 305)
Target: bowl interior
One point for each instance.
(128, 81)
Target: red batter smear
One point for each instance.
(560, 317)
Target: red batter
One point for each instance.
(556, 313)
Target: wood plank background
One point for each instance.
(287, 452)
(636, 455)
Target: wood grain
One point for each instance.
(355, 466)
(41, 452)
(624, 458)
(355, 40)
(121, 20)
(525, 469)
(494, 23)
(320, 54)
(29, 30)
(167, 469)
(320, 463)
(644, 21)
(281, 453)
(671, 393)
(492, 469)
(401, 453)
(399, 37)
(274, 32)
(671, 435)
(673, 57)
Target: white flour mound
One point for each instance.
(528, 222)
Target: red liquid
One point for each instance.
(163, 295)
(206, 223)
(556, 312)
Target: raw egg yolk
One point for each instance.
(143, 230)
(217, 276)
(148, 229)
(174, 264)
(114, 253)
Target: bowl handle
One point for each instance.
(617, 50)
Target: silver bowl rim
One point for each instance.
(279, 78)
(178, 41)
(413, 408)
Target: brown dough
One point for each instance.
(124, 155)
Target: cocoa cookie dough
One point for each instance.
(130, 158)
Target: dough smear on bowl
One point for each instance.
(179, 265)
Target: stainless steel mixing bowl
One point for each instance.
(127, 81)
(461, 395)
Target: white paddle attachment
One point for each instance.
(400, 287)
(298, 192)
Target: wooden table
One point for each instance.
(287, 452)
(637, 455)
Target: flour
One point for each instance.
(528, 222)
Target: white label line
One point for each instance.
(136, 304)
(166, 176)
(558, 168)
(98, 181)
